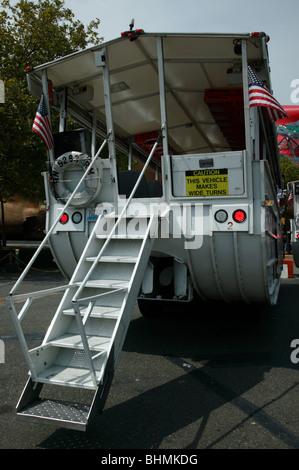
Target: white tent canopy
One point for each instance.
(193, 64)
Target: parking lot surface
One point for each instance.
(205, 377)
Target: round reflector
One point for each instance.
(77, 217)
(221, 216)
(64, 218)
(297, 235)
(239, 216)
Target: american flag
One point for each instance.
(42, 126)
(259, 95)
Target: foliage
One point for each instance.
(34, 33)
(289, 170)
(31, 33)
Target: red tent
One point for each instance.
(288, 134)
(293, 112)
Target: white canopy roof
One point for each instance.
(193, 63)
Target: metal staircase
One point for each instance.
(86, 335)
(83, 343)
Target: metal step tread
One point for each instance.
(115, 259)
(74, 341)
(124, 236)
(56, 410)
(68, 376)
(98, 311)
(128, 216)
(110, 283)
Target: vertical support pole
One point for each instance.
(246, 96)
(46, 97)
(248, 139)
(166, 172)
(102, 61)
(266, 59)
(162, 95)
(130, 157)
(63, 111)
(254, 122)
(94, 132)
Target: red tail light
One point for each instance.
(64, 218)
(239, 216)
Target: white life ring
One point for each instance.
(63, 187)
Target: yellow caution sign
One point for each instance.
(207, 183)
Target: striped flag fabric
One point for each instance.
(42, 126)
(259, 95)
(290, 199)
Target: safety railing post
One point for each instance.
(85, 343)
(21, 336)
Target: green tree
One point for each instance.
(289, 170)
(34, 33)
(30, 34)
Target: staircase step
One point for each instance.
(97, 312)
(124, 236)
(68, 376)
(73, 341)
(106, 283)
(114, 259)
(72, 415)
(125, 247)
(130, 214)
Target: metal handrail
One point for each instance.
(95, 262)
(112, 339)
(75, 301)
(18, 317)
(29, 297)
(24, 273)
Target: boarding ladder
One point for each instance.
(86, 335)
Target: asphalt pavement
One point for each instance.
(208, 377)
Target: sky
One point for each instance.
(278, 18)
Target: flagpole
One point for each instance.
(46, 97)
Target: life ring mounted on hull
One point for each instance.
(65, 178)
